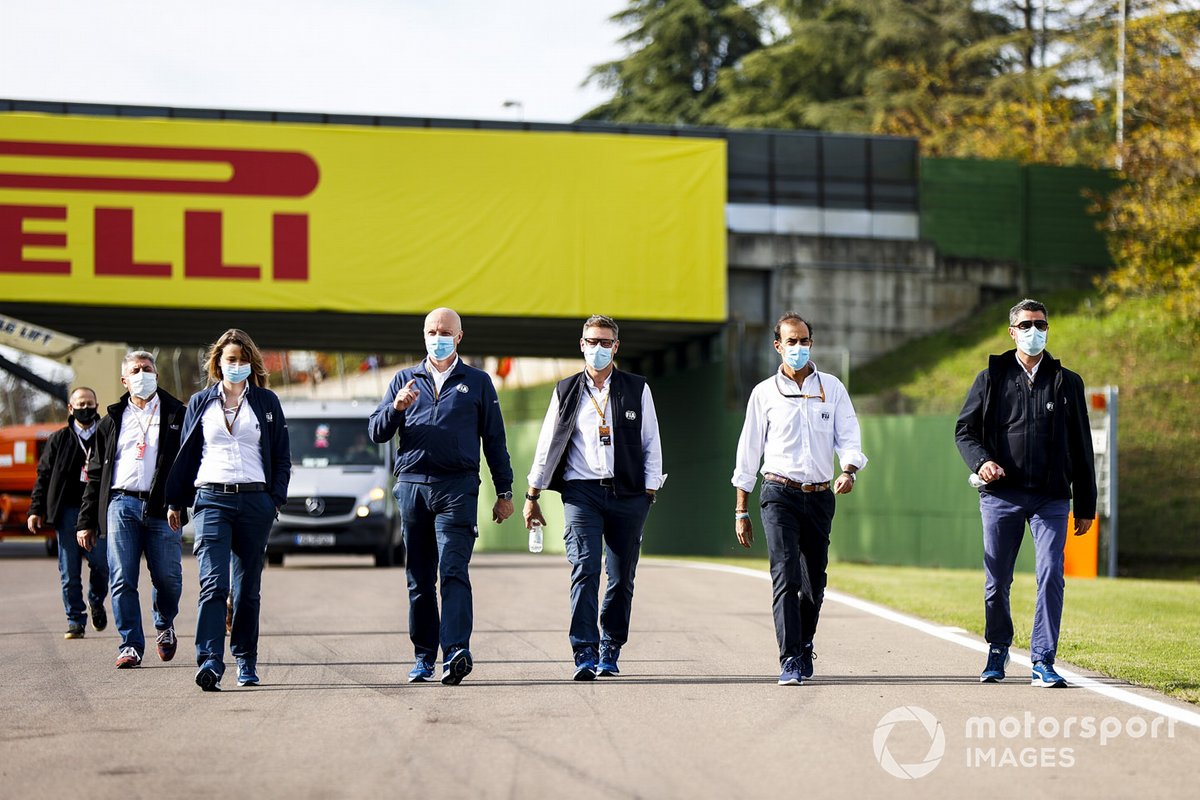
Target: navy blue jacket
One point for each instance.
(1039, 435)
(276, 451)
(440, 434)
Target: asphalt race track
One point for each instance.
(895, 708)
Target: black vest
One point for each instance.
(625, 418)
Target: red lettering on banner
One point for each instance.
(202, 246)
(290, 238)
(114, 247)
(14, 240)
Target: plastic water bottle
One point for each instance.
(535, 538)
(976, 481)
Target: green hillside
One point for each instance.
(1150, 356)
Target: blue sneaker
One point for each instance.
(422, 671)
(247, 674)
(208, 677)
(585, 664)
(997, 661)
(1045, 676)
(789, 674)
(806, 658)
(609, 653)
(457, 666)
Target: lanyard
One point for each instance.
(601, 411)
(150, 412)
(229, 423)
(801, 396)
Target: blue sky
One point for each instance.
(446, 58)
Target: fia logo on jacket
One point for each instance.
(630, 415)
(462, 387)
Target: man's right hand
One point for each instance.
(532, 512)
(173, 519)
(406, 396)
(990, 471)
(86, 539)
(745, 532)
(33, 522)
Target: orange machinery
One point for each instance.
(20, 448)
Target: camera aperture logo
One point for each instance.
(933, 728)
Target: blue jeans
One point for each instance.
(70, 568)
(597, 519)
(131, 533)
(796, 525)
(440, 528)
(228, 525)
(1004, 514)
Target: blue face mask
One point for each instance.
(796, 356)
(597, 357)
(1031, 342)
(235, 373)
(439, 347)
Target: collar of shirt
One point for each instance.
(1030, 373)
(439, 377)
(84, 433)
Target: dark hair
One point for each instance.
(792, 316)
(601, 321)
(1025, 305)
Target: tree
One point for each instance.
(1154, 218)
(678, 49)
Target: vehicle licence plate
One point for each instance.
(314, 539)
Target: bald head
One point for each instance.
(443, 322)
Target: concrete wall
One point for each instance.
(865, 295)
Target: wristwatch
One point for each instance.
(533, 497)
(504, 495)
(851, 475)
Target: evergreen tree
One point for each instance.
(678, 48)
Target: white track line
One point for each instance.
(950, 634)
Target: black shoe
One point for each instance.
(208, 679)
(457, 667)
(99, 618)
(74, 630)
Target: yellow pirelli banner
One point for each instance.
(235, 215)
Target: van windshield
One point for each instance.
(333, 443)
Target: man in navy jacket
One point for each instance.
(441, 408)
(1024, 431)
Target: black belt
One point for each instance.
(233, 488)
(804, 487)
(130, 493)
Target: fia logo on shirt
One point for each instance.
(825, 416)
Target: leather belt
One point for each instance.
(131, 493)
(804, 487)
(233, 488)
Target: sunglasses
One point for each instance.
(1026, 324)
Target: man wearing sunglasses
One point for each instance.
(1024, 431)
(600, 449)
(795, 421)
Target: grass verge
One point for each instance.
(1141, 631)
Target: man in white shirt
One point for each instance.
(599, 447)
(795, 421)
(125, 502)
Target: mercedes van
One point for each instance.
(340, 496)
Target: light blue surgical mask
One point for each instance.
(235, 373)
(439, 347)
(796, 356)
(1031, 342)
(597, 357)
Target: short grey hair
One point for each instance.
(601, 321)
(1025, 305)
(137, 355)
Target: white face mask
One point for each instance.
(1031, 342)
(142, 384)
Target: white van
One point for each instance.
(340, 496)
